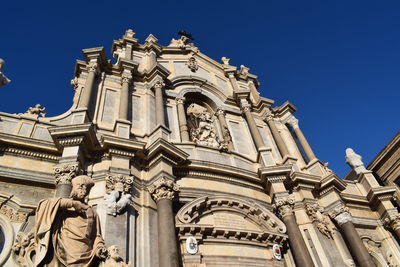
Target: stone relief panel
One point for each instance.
(202, 128)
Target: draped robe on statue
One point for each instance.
(65, 237)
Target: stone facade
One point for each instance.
(192, 167)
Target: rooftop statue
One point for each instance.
(355, 161)
(37, 110)
(3, 79)
(67, 230)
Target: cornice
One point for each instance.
(285, 107)
(331, 183)
(161, 146)
(71, 135)
(385, 153)
(376, 195)
(27, 142)
(25, 176)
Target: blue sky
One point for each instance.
(338, 62)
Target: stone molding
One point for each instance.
(322, 220)
(163, 188)
(64, 173)
(341, 215)
(392, 222)
(284, 206)
(29, 153)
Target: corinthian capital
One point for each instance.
(293, 122)
(245, 108)
(163, 189)
(158, 84)
(93, 67)
(180, 100)
(219, 112)
(392, 222)
(284, 206)
(268, 116)
(126, 78)
(340, 214)
(64, 173)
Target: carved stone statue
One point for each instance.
(202, 130)
(37, 110)
(118, 196)
(323, 223)
(355, 161)
(3, 79)
(67, 230)
(114, 259)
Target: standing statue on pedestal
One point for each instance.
(355, 161)
(3, 79)
(67, 230)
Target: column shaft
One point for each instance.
(124, 100)
(224, 128)
(63, 190)
(87, 90)
(183, 128)
(253, 128)
(297, 245)
(304, 144)
(167, 246)
(160, 118)
(278, 138)
(356, 246)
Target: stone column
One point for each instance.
(163, 191)
(357, 249)
(294, 123)
(63, 174)
(183, 128)
(253, 127)
(224, 128)
(158, 90)
(87, 90)
(124, 98)
(298, 247)
(277, 136)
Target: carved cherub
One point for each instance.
(37, 110)
(117, 200)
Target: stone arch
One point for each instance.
(8, 232)
(259, 223)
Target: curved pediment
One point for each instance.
(228, 216)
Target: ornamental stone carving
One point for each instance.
(37, 110)
(341, 215)
(284, 206)
(64, 173)
(392, 222)
(118, 195)
(355, 161)
(12, 214)
(225, 60)
(163, 189)
(74, 83)
(126, 78)
(268, 116)
(323, 223)
(192, 64)
(92, 67)
(23, 248)
(201, 125)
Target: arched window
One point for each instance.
(2, 239)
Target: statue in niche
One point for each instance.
(118, 196)
(202, 130)
(67, 230)
(114, 259)
(355, 161)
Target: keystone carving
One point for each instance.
(118, 196)
(192, 64)
(65, 172)
(23, 248)
(163, 189)
(323, 223)
(284, 206)
(341, 215)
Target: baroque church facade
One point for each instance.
(191, 167)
